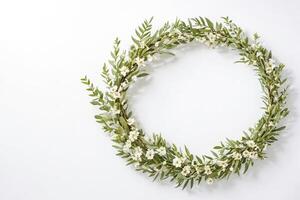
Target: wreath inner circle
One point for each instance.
(153, 154)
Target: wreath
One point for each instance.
(153, 154)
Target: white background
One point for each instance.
(52, 148)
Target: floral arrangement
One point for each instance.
(153, 154)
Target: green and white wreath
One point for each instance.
(153, 154)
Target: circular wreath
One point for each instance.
(153, 154)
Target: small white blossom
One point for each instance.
(246, 154)
(251, 143)
(137, 153)
(124, 85)
(209, 181)
(140, 61)
(150, 154)
(212, 38)
(130, 121)
(127, 146)
(161, 151)
(236, 156)
(231, 169)
(133, 135)
(177, 162)
(116, 95)
(207, 170)
(124, 70)
(186, 170)
(115, 111)
(253, 155)
(222, 163)
(156, 44)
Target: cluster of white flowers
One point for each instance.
(114, 111)
(124, 85)
(186, 170)
(124, 70)
(251, 143)
(236, 156)
(207, 170)
(211, 37)
(246, 154)
(137, 153)
(181, 36)
(130, 121)
(115, 93)
(140, 61)
(150, 154)
(127, 146)
(133, 135)
(162, 151)
(223, 164)
(177, 161)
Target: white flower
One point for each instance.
(231, 169)
(211, 37)
(246, 153)
(124, 70)
(209, 181)
(150, 154)
(115, 111)
(222, 163)
(251, 143)
(140, 61)
(124, 84)
(164, 163)
(130, 121)
(127, 146)
(156, 44)
(116, 95)
(161, 151)
(138, 152)
(236, 156)
(133, 135)
(186, 170)
(177, 162)
(207, 170)
(253, 155)
(198, 169)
